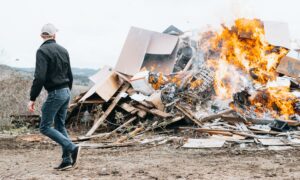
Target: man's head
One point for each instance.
(48, 31)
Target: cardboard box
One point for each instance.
(289, 66)
(106, 84)
(277, 33)
(152, 50)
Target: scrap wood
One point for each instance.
(292, 122)
(228, 130)
(249, 135)
(120, 127)
(108, 111)
(233, 138)
(258, 120)
(130, 135)
(164, 123)
(215, 116)
(162, 140)
(82, 138)
(127, 107)
(111, 145)
(132, 110)
(220, 133)
(241, 126)
(123, 76)
(130, 91)
(268, 121)
(232, 118)
(154, 111)
(170, 121)
(171, 103)
(188, 65)
(144, 103)
(141, 113)
(190, 116)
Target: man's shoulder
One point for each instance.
(52, 46)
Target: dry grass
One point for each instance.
(14, 96)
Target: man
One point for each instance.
(53, 72)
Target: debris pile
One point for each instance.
(238, 84)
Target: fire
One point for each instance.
(278, 100)
(158, 80)
(196, 83)
(241, 58)
(242, 61)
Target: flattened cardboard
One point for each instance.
(277, 33)
(105, 85)
(204, 143)
(272, 142)
(162, 44)
(98, 77)
(140, 42)
(289, 66)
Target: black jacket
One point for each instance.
(53, 70)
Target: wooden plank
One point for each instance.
(232, 118)
(127, 107)
(160, 113)
(120, 127)
(123, 76)
(155, 111)
(215, 116)
(100, 146)
(220, 132)
(107, 135)
(170, 121)
(142, 114)
(188, 65)
(108, 111)
(228, 130)
(164, 123)
(289, 66)
(187, 114)
(130, 135)
(241, 126)
(83, 138)
(144, 103)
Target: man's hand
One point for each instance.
(31, 106)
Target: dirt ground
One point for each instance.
(19, 160)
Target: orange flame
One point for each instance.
(242, 57)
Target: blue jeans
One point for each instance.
(55, 110)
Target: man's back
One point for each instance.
(53, 70)
(58, 72)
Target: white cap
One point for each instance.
(49, 28)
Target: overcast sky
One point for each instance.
(94, 30)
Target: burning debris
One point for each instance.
(224, 82)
